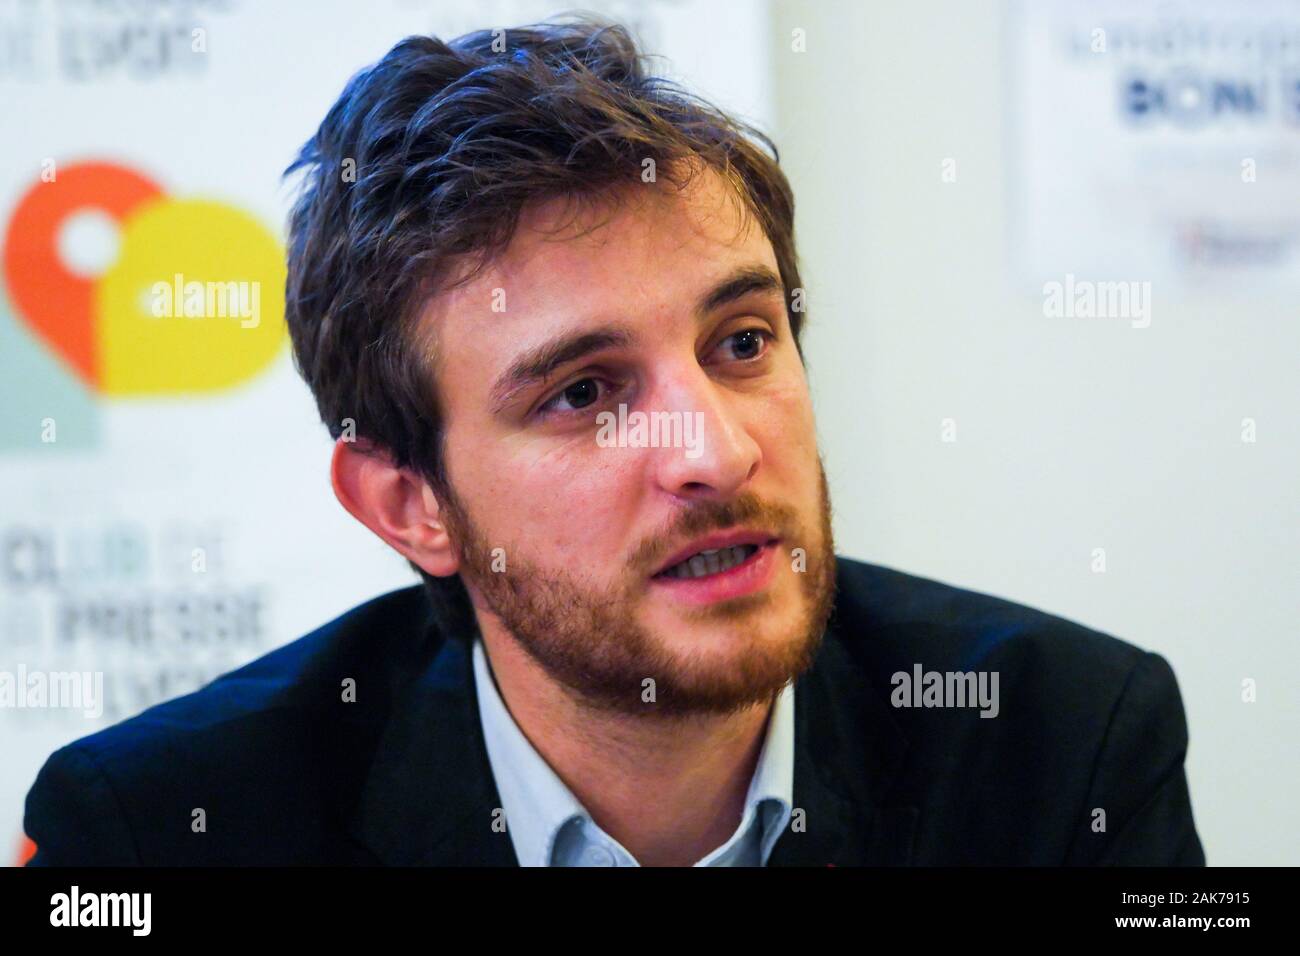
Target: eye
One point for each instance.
(749, 344)
(577, 396)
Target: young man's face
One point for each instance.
(587, 509)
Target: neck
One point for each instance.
(698, 768)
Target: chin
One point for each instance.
(698, 634)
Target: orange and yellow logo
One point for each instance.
(106, 328)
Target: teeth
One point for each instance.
(712, 561)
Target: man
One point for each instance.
(550, 308)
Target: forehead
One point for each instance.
(644, 254)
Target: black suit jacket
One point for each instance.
(286, 772)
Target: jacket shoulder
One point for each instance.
(1085, 724)
(901, 618)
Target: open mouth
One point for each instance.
(728, 570)
(712, 561)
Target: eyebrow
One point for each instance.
(746, 280)
(541, 362)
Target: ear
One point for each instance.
(395, 504)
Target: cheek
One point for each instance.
(557, 500)
(786, 421)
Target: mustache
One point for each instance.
(702, 517)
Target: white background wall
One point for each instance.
(1071, 434)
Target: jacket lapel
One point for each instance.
(848, 752)
(430, 797)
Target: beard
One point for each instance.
(586, 637)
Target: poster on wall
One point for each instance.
(1156, 142)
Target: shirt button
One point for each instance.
(597, 856)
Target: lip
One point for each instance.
(748, 577)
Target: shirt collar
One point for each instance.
(536, 801)
(537, 804)
(771, 792)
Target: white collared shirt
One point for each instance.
(549, 827)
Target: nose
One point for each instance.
(717, 455)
